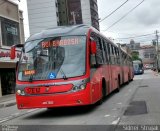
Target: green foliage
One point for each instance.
(135, 57)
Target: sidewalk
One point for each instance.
(7, 100)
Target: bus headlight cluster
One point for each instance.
(77, 88)
(21, 92)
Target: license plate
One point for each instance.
(33, 90)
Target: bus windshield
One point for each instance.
(53, 58)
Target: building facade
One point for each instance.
(11, 32)
(148, 55)
(133, 45)
(52, 13)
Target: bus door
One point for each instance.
(107, 67)
(96, 69)
(113, 67)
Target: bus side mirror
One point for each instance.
(13, 52)
(93, 47)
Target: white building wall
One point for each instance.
(42, 15)
(86, 12)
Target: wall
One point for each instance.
(21, 27)
(86, 12)
(150, 52)
(9, 10)
(42, 15)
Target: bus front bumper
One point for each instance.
(79, 98)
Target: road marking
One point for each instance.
(107, 115)
(119, 103)
(116, 121)
(114, 109)
(9, 117)
(4, 120)
(16, 115)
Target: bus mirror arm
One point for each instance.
(94, 63)
(16, 65)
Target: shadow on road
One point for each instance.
(62, 112)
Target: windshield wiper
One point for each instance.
(30, 78)
(44, 55)
(64, 75)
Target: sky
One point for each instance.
(140, 24)
(144, 20)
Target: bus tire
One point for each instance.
(103, 92)
(118, 84)
(128, 79)
(100, 102)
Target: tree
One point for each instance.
(135, 56)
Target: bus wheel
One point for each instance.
(100, 102)
(103, 93)
(50, 108)
(128, 79)
(118, 85)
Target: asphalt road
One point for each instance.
(118, 109)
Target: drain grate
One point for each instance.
(143, 86)
(136, 108)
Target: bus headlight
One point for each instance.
(78, 88)
(82, 87)
(75, 88)
(20, 92)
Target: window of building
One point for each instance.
(146, 55)
(74, 12)
(57, 14)
(56, 4)
(10, 35)
(152, 55)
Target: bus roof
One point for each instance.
(137, 61)
(81, 29)
(61, 31)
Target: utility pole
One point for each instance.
(157, 48)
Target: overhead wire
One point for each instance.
(124, 15)
(137, 36)
(114, 11)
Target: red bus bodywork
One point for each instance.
(58, 93)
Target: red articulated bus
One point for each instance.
(69, 66)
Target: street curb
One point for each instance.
(7, 104)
